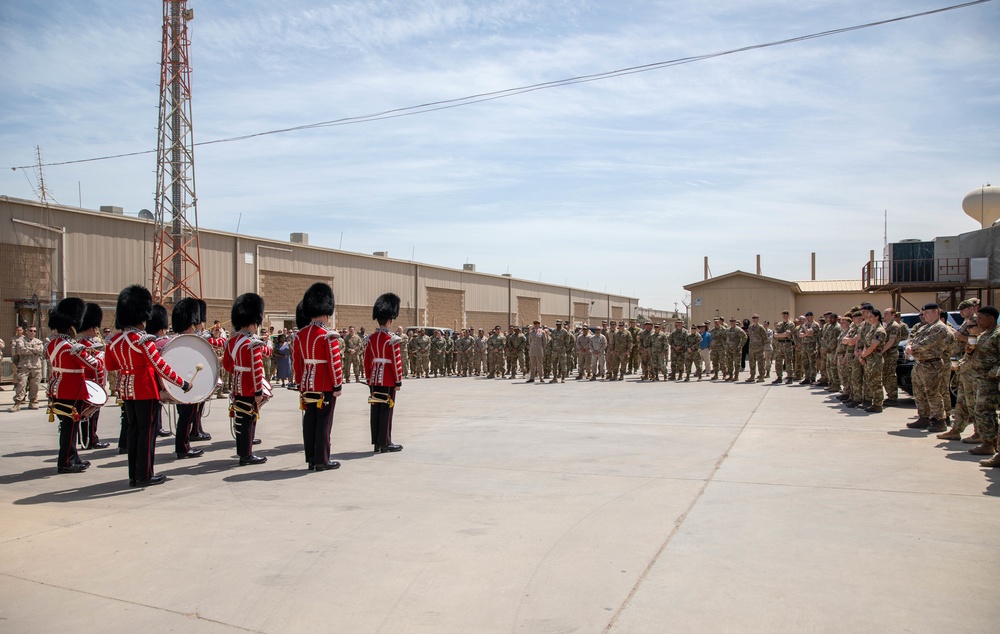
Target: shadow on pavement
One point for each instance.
(92, 492)
(352, 455)
(267, 476)
(993, 488)
(908, 433)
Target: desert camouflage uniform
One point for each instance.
(783, 350)
(755, 356)
(929, 345)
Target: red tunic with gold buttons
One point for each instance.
(96, 349)
(244, 359)
(133, 354)
(316, 359)
(383, 361)
(69, 362)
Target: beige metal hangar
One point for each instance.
(51, 251)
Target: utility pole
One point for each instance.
(176, 248)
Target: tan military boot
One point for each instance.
(991, 462)
(974, 439)
(16, 407)
(951, 434)
(988, 448)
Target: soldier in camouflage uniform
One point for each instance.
(857, 369)
(598, 352)
(834, 351)
(645, 354)
(494, 356)
(755, 358)
(691, 356)
(561, 341)
(519, 346)
(946, 364)
(808, 339)
(965, 387)
(718, 347)
(677, 344)
(352, 357)
(658, 346)
(481, 350)
(404, 342)
(424, 353)
(871, 358)
(890, 354)
(439, 347)
(847, 359)
(984, 362)
(783, 348)
(633, 358)
(583, 352)
(414, 353)
(450, 363)
(623, 344)
(928, 345)
(735, 338)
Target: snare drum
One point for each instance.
(183, 354)
(96, 397)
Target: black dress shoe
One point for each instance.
(157, 479)
(392, 448)
(326, 466)
(201, 436)
(252, 460)
(83, 463)
(100, 445)
(194, 453)
(73, 468)
(163, 433)
(378, 449)
(132, 483)
(256, 441)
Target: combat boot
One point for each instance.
(951, 434)
(937, 426)
(921, 423)
(874, 409)
(777, 381)
(985, 449)
(789, 380)
(993, 462)
(16, 407)
(974, 439)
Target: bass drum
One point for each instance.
(184, 353)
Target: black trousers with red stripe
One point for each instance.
(381, 418)
(245, 426)
(67, 434)
(143, 422)
(187, 419)
(317, 423)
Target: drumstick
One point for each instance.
(198, 368)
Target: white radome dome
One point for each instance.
(983, 205)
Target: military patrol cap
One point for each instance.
(558, 322)
(931, 306)
(756, 316)
(707, 322)
(809, 314)
(536, 322)
(647, 323)
(867, 306)
(969, 303)
(784, 312)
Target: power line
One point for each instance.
(446, 104)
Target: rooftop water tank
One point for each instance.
(983, 205)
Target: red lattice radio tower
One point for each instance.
(176, 249)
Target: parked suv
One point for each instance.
(904, 364)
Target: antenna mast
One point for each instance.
(176, 248)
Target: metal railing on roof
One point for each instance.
(929, 273)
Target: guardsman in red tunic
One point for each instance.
(243, 358)
(90, 336)
(133, 354)
(183, 321)
(384, 372)
(320, 375)
(197, 431)
(157, 327)
(68, 363)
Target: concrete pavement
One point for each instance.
(583, 507)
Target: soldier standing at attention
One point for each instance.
(809, 338)
(383, 365)
(352, 356)
(623, 344)
(691, 354)
(598, 348)
(783, 349)
(758, 339)
(561, 342)
(633, 358)
(965, 386)
(413, 354)
(735, 339)
(27, 354)
(718, 346)
(837, 357)
(537, 340)
(871, 359)
(494, 360)
(984, 359)
(520, 344)
(645, 351)
(424, 353)
(677, 343)
(437, 355)
(890, 354)
(583, 352)
(927, 346)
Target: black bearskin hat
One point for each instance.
(202, 312)
(157, 319)
(135, 303)
(318, 301)
(92, 317)
(186, 313)
(67, 314)
(301, 321)
(248, 310)
(386, 307)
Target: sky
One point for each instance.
(621, 186)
